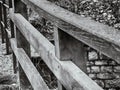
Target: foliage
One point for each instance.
(104, 11)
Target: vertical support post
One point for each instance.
(57, 52)
(1, 19)
(11, 23)
(13, 36)
(6, 26)
(22, 43)
(69, 48)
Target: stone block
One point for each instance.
(112, 62)
(105, 76)
(92, 76)
(88, 69)
(90, 63)
(102, 62)
(116, 68)
(92, 55)
(95, 69)
(106, 69)
(100, 83)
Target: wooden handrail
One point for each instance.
(33, 75)
(103, 38)
(103, 31)
(66, 72)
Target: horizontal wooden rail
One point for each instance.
(66, 72)
(6, 6)
(8, 32)
(3, 24)
(101, 37)
(33, 75)
(1, 2)
(9, 35)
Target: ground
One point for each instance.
(104, 11)
(7, 77)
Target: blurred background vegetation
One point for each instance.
(104, 11)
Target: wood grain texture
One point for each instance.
(86, 24)
(6, 26)
(103, 38)
(69, 48)
(21, 8)
(1, 20)
(58, 52)
(66, 72)
(33, 75)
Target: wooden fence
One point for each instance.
(67, 59)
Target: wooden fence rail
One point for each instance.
(67, 59)
(98, 36)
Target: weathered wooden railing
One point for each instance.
(67, 59)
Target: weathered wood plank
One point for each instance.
(9, 33)
(6, 26)
(5, 5)
(12, 29)
(65, 71)
(33, 75)
(1, 19)
(69, 48)
(21, 8)
(105, 39)
(107, 48)
(86, 24)
(58, 51)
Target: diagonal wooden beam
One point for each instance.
(102, 38)
(66, 72)
(33, 75)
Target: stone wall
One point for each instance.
(104, 71)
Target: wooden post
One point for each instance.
(6, 26)
(12, 28)
(22, 43)
(68, 48)
(11, 23)
(1, 19)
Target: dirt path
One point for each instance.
(6, 66)
(7, 77)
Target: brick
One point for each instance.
(103, 62)
(88, 69)
(112, 83)
(92, 55)
(111, 89)
(92, 76)
(106, 69)
(105, 76)
(90, 63)
(116, 68)
(100, 82)
(107, 84)
(112, 62)
(95, 69)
